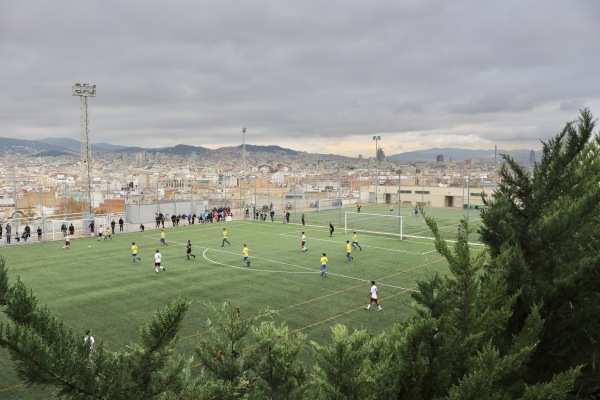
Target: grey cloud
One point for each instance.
(195, 71)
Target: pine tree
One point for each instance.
(275, 360)
(545, 226)
(343, 369)
(48, 352)
(455, 345)
(223, 357)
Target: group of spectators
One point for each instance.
(7, 231)
(261, 215)
(215, 215)
(63, 229)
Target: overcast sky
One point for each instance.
(319, 76)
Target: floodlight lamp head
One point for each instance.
(244, 130)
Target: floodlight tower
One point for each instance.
(84, 91)
(376, 139)
(244, 156)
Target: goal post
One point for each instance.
(379, 224)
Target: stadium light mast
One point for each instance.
(376, 139)
(244, 156)
(399, 191)
(84, 91)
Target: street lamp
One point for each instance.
(376, 139)
(244, 156)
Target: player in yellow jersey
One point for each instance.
(349, 251)
(163, 238)
(246, 253)
(324, 262)
(355, 241)
(225, 235)
(134, 251)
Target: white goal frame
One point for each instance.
(380, 224)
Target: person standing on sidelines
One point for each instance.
(225, 235)
(163, 238)
(373, 296)
(324, 262)
(89, 340)
(417, 210)
(246, 254)
(355, 241)
(331, 229)
(188, 250)
(121, 222)
(302, 218)
(303, 240)
(112, 226)
(157, 260)
(134, 251)
(349, 251)
(39, 232)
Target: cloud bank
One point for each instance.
(308, 75)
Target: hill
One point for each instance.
(75, 145)
(459, 155)
(64, 146)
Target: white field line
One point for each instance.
(311, 270)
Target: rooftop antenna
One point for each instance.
(84, 91)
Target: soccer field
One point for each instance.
(95, 285)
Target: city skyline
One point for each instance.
(309, 76)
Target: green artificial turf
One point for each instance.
(101, 289)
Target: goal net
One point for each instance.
(373, 223)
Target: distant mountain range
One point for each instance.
(52, 147)
(461, 155)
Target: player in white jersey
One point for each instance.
(157, 260)
(373, 296)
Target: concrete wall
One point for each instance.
(452, 197)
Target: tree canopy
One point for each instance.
(542, 227)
